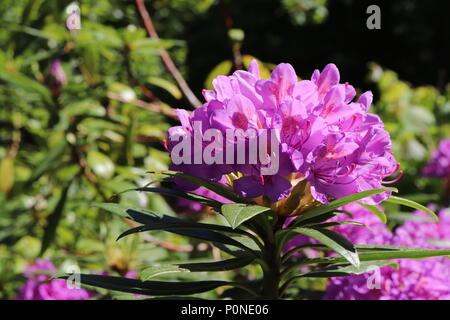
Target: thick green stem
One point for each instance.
(271, 273)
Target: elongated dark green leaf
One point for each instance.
(223, 265)
(120, 209)
(27, 83)
(152, 272)
(156, 288)
(340, 223)
(231, 250)
(348, 269)
(215, 187)
(411, 204)
(155, 221)
(334, 241)
(413, 253)
(185, 195)
(166, 85)
(407, 216)
(339, 270)
(152, 221)
(53, 220)
(206, 235)
(174, 298)
(375, 210)
(238, 213)
(339, 203)
(375, 253)
(318, 219)
(368, 247)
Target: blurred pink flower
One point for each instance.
(427, 279)
(40, 287)
(73, 22)
(57, 71)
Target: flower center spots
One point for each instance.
(289, 127)
(240, 120)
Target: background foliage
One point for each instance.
(65, 147)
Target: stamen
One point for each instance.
(354, 118)
(397, 167)
(165, 145)
(349, 172)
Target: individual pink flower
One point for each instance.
(439, 164)
(57, 72)
(40, 287)
(73, 21)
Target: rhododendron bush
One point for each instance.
(158, 150)
(331, 155)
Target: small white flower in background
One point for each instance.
(73, 21)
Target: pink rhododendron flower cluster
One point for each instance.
(322, 135)
(40, 287)
(427, 279)
(439, 164)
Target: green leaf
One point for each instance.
(344, 270)
(100, 164)
(27, 84)
(334, 241)
(166, 85)
(215, 187)
(340, 223)
(155, 288)
(116, 208)
(412, 204)
(383, 253)
(407, 216)
(339, 270)
(183, 230)
(375, 210)
(223, 265)
(318, 219)
(339, 203)
(180, 194)
(222, 69)
(409, 253)
(230, 250)
(238, 213)
(7, 174)
(152, 222)
(51, 159)
(152, 272)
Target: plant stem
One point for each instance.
(170, 65)
(271, 274)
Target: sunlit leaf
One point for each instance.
(153, 272)
(238, 213)
(412, 204)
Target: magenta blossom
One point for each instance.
(58, 73)
(427, 279)
(439, 164)
(313, 128)
(40, 287)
